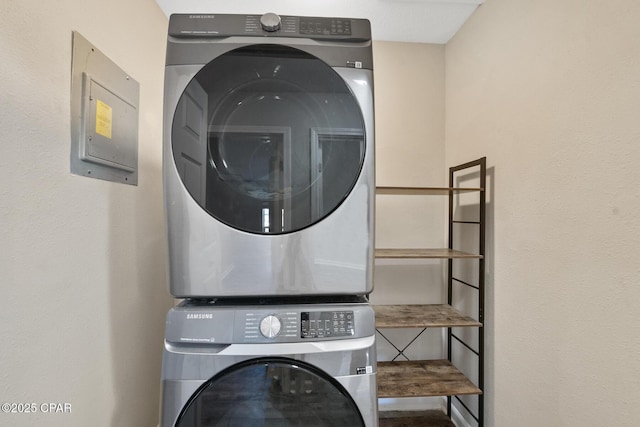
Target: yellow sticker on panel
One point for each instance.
(104, 117)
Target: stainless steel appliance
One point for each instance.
(272, 363)
(269, 155)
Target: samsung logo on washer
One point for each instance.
(199, 316)
(201, 16)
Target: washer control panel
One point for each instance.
(325, 324)
(305, 324)
(259, 325)
(228, 324)
(270, 326)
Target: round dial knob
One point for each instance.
(270, 22)
(270, 326)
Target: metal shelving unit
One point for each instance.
(423, 378)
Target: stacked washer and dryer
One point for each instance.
(269, 191)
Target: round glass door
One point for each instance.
(271, 393)
(268, 139)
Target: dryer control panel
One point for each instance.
(269, 24)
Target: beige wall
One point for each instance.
(409, 94)
(409, 113)
(549, 91)
(82, 261)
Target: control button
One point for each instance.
(270, 22)
(270, 326)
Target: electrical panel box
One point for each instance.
(104, 116)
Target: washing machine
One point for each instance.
(269, 364)
(268, 161)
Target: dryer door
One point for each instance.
(268, 139)
(270, 392)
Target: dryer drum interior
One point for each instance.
(285, 139)
(271, 392)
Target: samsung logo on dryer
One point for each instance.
(202, 16)
(199, 316)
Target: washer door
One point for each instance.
(268, 139)
(271, 392)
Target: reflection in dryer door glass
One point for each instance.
(271, 393)
(251, 171)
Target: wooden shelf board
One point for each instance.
(439, 253)
(422, 378)
(405, 190)
(421, 316)
(431, 418)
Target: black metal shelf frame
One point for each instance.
(400, 351)
(454, 172)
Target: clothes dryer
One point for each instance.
(269, 155)
(281, 365)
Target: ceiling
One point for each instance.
(421, 21)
